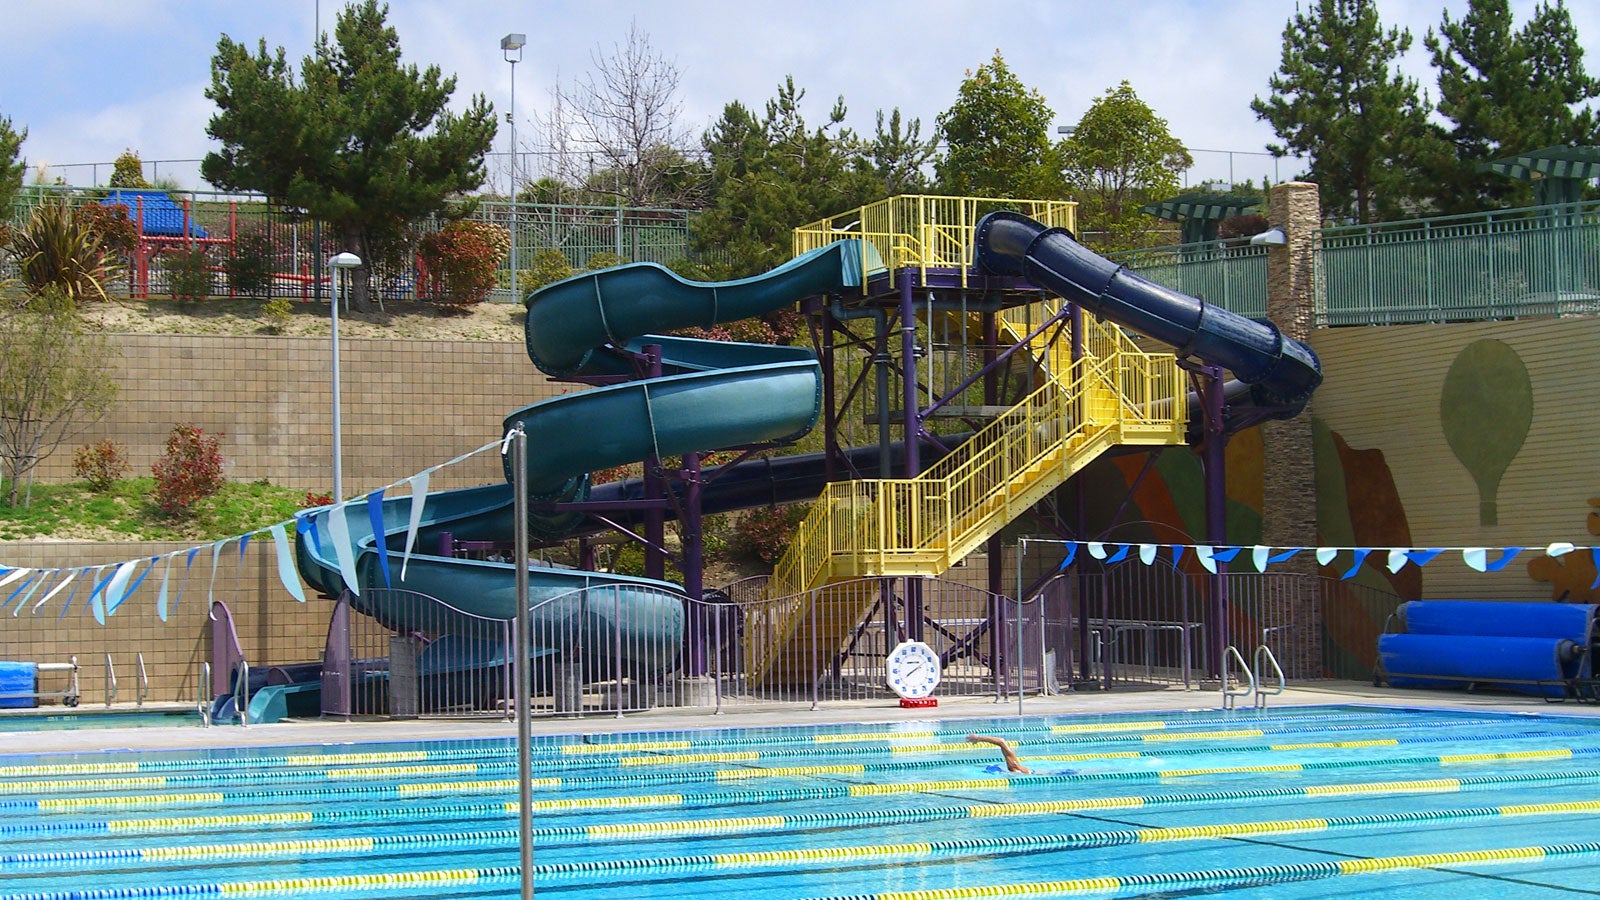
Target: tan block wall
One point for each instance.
(405, 406)
(272, 627)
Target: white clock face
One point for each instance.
(913, 669)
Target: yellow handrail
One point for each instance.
(923, 231)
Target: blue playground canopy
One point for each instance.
(162, 216)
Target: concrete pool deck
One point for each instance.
(767, 715)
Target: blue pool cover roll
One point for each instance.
(18, 681)
(1572, 621)
(1459, 659)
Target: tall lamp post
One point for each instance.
(513, 43)
(338, 263)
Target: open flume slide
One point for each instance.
(710, 395)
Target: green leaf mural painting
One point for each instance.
(1486, 408)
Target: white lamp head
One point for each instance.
(345, 261)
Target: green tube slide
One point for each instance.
(711, 395)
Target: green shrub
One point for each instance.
(102, 464)
(188, 274)
(463, 259)
(549, 266)
(277, 312)
(190, 470)
(250, 264)
(605, 259)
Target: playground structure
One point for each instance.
(951, 326)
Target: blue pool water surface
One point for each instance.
(1286, 803)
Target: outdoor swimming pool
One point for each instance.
(1294, 802)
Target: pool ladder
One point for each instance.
(1253, 677)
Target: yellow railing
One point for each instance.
(922, 231)
(926, 524)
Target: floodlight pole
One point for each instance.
(337, 264)
(523, 642)
(513, 43)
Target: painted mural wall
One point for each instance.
(1490, 437)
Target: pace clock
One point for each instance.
(913, 669)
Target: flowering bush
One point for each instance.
(462, 259)
(765, 533)
(189, 471)
(101, 463)
(113, 223)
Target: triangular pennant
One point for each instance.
(1476, 558)
(140, 580)
(1326, 555)
(97, 603)
(1280, 557)
(19, 589)
(339, 534)
(1096, 549)
(161, 598)
(244, 541)
(1072, 553)
(1147, 553)
(216, 555)
(287, 574)
(13, 575)
(118, 585)
(72, 575)
(1506, 555)
(1259, 556)
(375, 516)
(74, 595)
(1120, 555)
(419, 498)
(1205, 555)
(1397, 560)
(1225, 554)
(1360, 555)
(1177, 554)
(1560, 548)
(1594, 553)
(44, 579)
(1423, 557)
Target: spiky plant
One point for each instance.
(56, 249)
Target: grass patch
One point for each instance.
(126, 512)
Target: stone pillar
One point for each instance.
(1289, 496)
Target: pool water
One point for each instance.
(1286, 803)
(89, 718)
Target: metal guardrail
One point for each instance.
(922, 231)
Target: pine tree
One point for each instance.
(359, 141)
(1337, 100)
(772, 173)
(1504, 92)
(12, 165)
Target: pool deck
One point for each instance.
(335, 731)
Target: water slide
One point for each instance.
(710, 395)
(1278, 373)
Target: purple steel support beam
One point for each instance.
(336, 661)
(1214, 462)
(693, 566)
(830, 413)
(655, 488)
(908, 367)
(586, 555)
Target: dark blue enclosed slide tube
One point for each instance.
(1281, 371)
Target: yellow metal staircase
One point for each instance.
(1114, 394)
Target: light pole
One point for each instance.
(513, 43)
(338, 263)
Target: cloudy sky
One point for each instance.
(89, 78)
